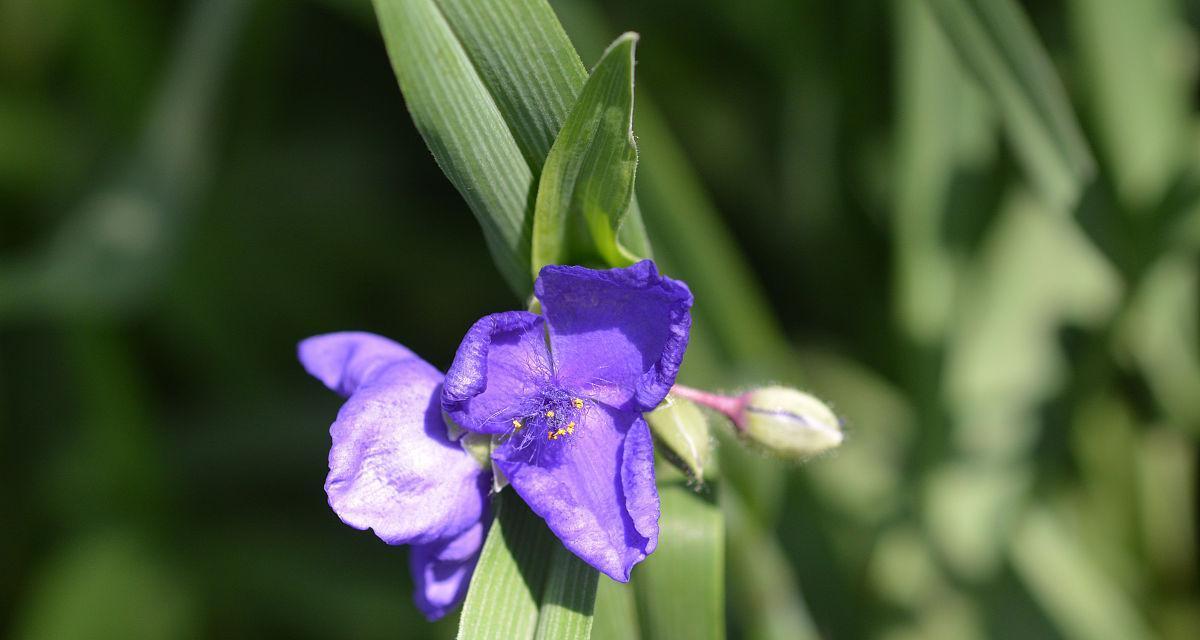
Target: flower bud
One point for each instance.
(681, 426)
(788, 422)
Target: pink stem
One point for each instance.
(728, 405)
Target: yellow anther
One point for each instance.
(570, 427)
(577, 402)
(517, 424)
(550, 413)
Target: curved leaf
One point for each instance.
(587, 183)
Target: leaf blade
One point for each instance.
(588, 178)
(527, 63)
(506, 588)
(683, 429)
(998, 45)
(463, 127)
(681, 587)
(569, 599)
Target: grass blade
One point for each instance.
(998, 45)
(616, 612)
(489, 85)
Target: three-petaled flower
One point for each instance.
(565, 393)
(561, 394)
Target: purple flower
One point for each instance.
(392, 467)
(565, 393)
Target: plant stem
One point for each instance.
(730, 406)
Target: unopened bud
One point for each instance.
(681, 426)
(784, 421)
(788, 422)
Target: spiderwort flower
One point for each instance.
(564, 393)
(392, 467)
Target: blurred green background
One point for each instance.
(973, 226)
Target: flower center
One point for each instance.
(552, 415)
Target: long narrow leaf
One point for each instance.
(616, 612)
(463, 126)
(681, 588)
(489, 85)
(569, 598)
(527, 584)
(999, 46)
(506, 590)
(527, 64)
(587, 183)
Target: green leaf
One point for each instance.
(616, 611)
(459, 119)
(587, 183)
(944, 129)
(691, 239)
(1076, 593)
(1138, 76)
(681, 586)
(999, 47)
(569, 598)
(527, 63)
(681, 426)
(506, 589)
(489, 85)
(527, 584)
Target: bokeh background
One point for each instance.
(188, 188)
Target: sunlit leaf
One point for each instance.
(459, 118)
(996, 42)
(527, 584)
(1081, 600)
(587, 183)
(489, 85)
(1138, 77)
(681, 587)
(568, 599)
(616, 611)
(505, 595)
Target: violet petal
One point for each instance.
(391, 466)
(442, 570)
(501, 363)
(620, 333)
(578, 484)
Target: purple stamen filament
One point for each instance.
(552, 414)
